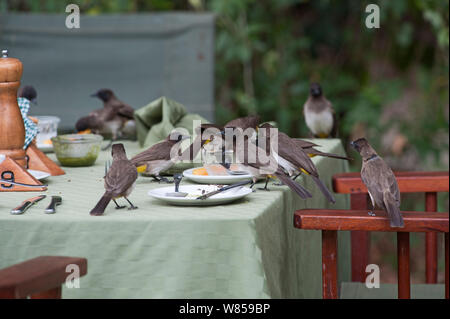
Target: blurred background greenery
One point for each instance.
(388, 84)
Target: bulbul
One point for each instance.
(249, 157)
(319, 113)
(119, 180)
(28, 92)
(115, 118)
(380, 182)
(251, 121)
(292, 158)
(160, 156)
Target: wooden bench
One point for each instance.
(330, 221)
(38, 278)
(429, 183)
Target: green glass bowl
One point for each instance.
(77, 149)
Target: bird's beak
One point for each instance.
(34, 101)
(185, 137)
(94, 95)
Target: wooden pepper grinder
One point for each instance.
(12, 130)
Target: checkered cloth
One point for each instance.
(31, 129)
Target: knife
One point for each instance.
(224, 189)
(6, 182)
(51, 209)
(27, 204)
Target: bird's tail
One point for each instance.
(296, 187)
(101, 205)
(319, 153)
(395, 216)
(323, 189)
(86, 122)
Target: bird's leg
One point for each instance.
(296, 176)
(117, 205)
(131, 205)
(371, 213)
(265, 186)
(108, 146)
(163, 179)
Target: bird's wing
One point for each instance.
(290, 151)
(304, 144)
(120, 177)
(160, 151)
(378, 178)
(126, 111)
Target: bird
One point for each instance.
(120, 180)
(254, 159)
(116, 118)
(160, 157)
(203, 134)
(380, 182)
(319, 114)
(291, 157)
(28, 92)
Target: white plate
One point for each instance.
(39, 175)
(216, 179)
(45, 147)
(196, 190)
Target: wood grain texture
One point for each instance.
(342, 219)
(329, 264)
(39, 277)
(408, 182)
(360, 241)
(431, 250)
(403, 273)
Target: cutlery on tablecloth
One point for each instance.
(177, 179)
(56, 201)
(225, 188)
(26, 204)
(8, 182)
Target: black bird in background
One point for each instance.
(319, 113)
(380, 182)
(116, 118)
(119, 180)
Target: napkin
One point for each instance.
(156, 120)
(31, 129)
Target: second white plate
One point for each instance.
(197, 190)
(215, 179)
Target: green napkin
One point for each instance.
(156, 120)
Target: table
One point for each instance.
(248, 249)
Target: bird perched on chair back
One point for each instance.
(160, 157)
(380, 182)
(28, 92)
(293, 159)
(115, 118)
(319, 114)
(119, 180)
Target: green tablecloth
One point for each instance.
(248, 249)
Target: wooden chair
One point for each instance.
(429, 183)
(330, 221)
(38, 278)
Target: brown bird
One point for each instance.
(160, 156)
(116, 118)
(254, 159)
(244, 123)
(380, 182)
(119, 180)
(319, 113)
(292, 158)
